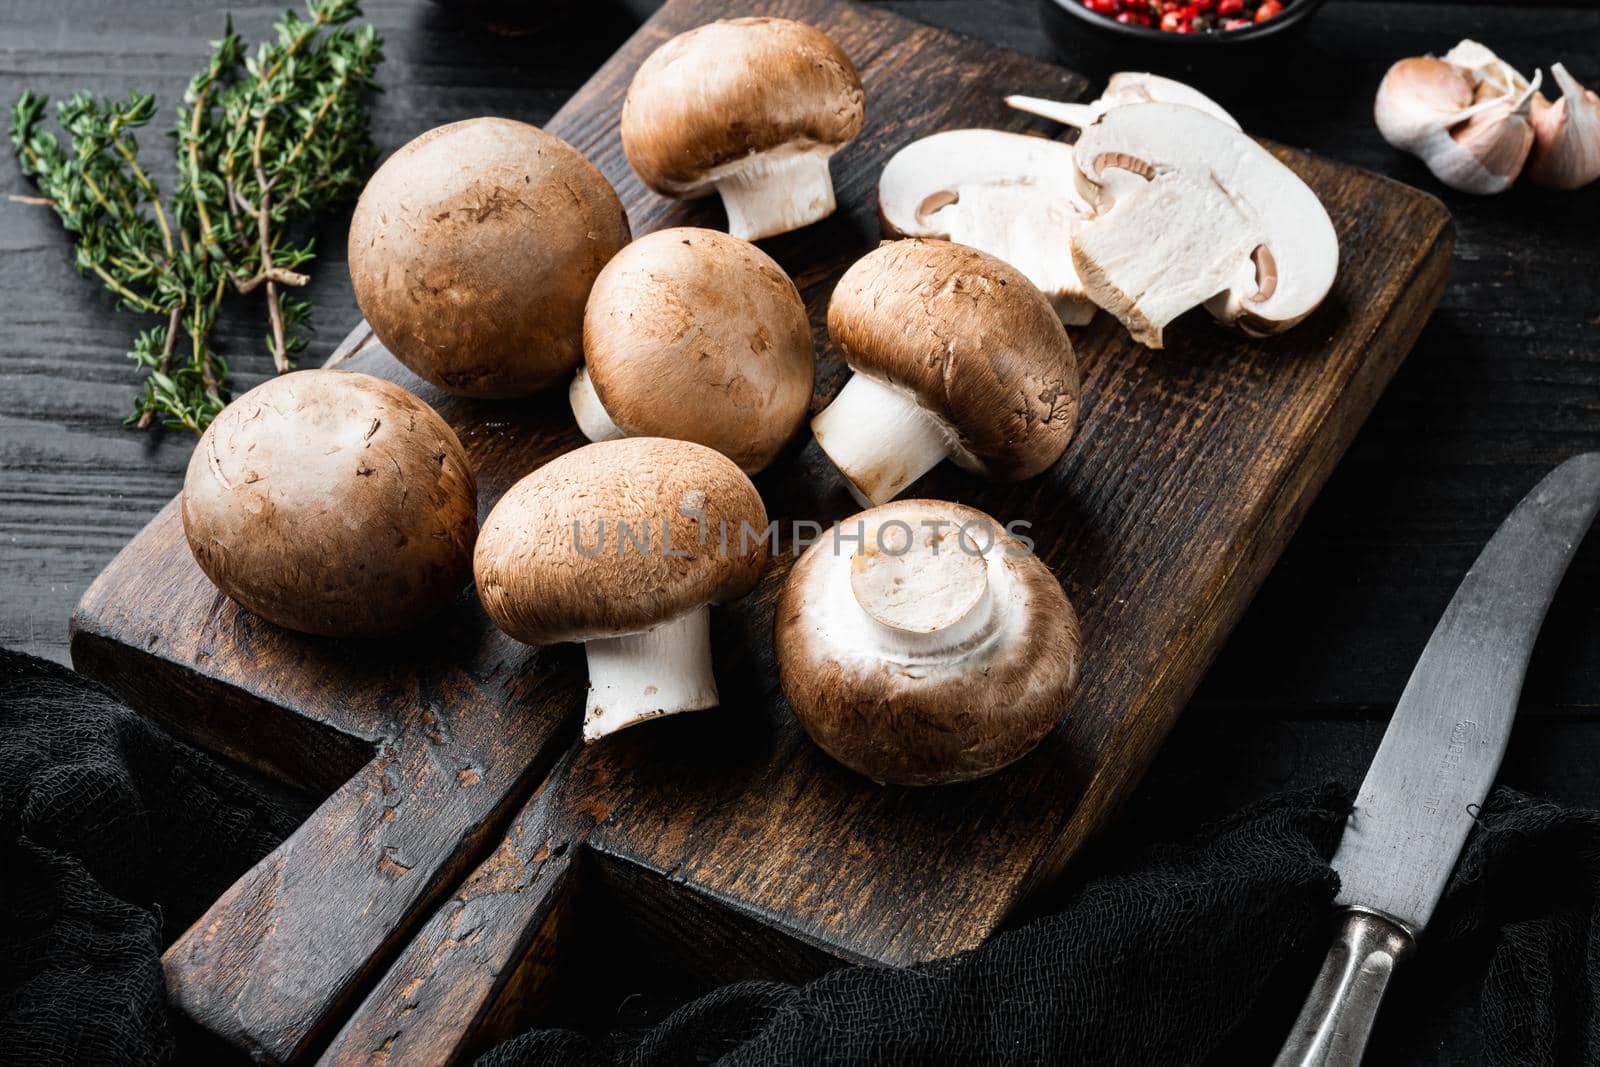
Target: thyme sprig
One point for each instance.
(266, 142)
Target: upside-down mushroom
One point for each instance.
(624, 546)
(750, 108)
(956, 356)
(937, 649)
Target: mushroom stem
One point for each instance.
(1075, 115)
(662, 671)
(592, 417)
(777, 191)
(929, 602)
(880, 438)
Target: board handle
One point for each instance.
(1337, 1019)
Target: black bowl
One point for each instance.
(1096, 46)
(1294, 14)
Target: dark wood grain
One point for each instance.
(1192, 468)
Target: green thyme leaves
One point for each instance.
(266, 141)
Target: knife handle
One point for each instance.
(1337, 1019)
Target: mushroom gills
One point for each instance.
(593, 419)
(1166, 245)
(662, 671)
(776, 191)
(880, 438)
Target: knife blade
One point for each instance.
(1437, 761)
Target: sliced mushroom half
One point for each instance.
(1007, 194)
(1189, 211)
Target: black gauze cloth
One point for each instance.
(115, 837)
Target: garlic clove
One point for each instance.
(1566, 136)
(1497, 142)
(1473, 136)
(1417, 96)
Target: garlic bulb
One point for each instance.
(1566, 135)
(1467, 116)
(1486, 68)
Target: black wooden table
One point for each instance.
(1504, 383)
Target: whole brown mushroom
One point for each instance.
(624, 546)
(751, 108)
(472, 251)
(696, 335)
(922, 643)
(956, 356)
(333, 503)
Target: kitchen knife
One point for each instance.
(1437, 761)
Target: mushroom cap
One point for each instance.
(548, 571)
(698, 335)
(976, 343)
(924, 178)
(1007, 194)
(1140, 87)
(925, 720)
(333, 503)
(732, 89)
(1297, 250)
(472, 251)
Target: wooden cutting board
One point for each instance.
(427, 907)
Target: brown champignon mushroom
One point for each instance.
(699, 336)
(623, 546)
(751, 108)
(938, 649)
(333, 503)
(956, 356)
(472, 251)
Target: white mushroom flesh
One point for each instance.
(1032, 231)
(662, 671)
(1234, 193)
(1007, 194)
(938, 604)
(591, 414)
(1125, 87)
(880, 438)
(1165, 246)
(773, 192)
